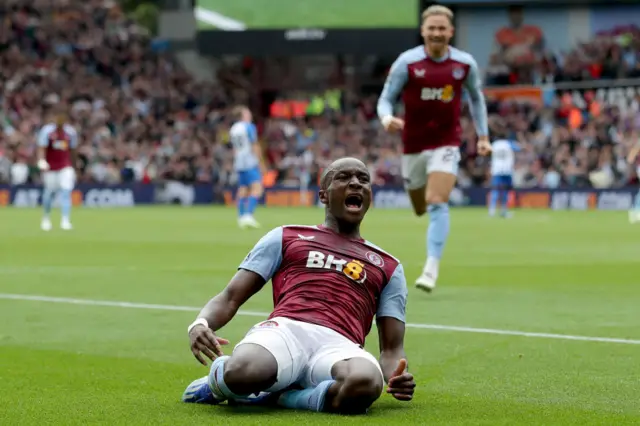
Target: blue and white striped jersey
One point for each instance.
(243, 136)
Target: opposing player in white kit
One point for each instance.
(502, 165)
(247, 163)
(304, 167)
(57, 143)
(432, 79)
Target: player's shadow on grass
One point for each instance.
(380, 408)
(250, 409)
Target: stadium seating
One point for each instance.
(142, 118)
(139, 115)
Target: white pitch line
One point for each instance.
(218, 20)
(114, 304)
(132, 305)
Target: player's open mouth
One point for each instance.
(354, 202)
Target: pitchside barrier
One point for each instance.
(109, 196)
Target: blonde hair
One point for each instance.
(437, 10)
(238, 111)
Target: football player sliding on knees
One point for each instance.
(328, 284)
(431, 79)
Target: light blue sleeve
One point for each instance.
(73, 139)
(252, 132)
(514, 146)
(43, 138)
(397, 78)
(393, 300)
(477, 104)
(265, 257)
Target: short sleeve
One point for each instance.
(73, 137)
(252, 132)
(393, 300)
(265, 257)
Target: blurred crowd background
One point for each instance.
(141, 117)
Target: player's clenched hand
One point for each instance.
(484, 146)
(204, 341)
(401, 385)
(392, 124)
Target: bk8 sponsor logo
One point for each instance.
(353, 269)
(444, 94)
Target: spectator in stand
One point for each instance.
(137, 112)
(519, 45)
(141, 118)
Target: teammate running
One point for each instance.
(432, 78)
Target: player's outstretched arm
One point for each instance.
(219, 311)
(255, 270)
(393, 360)
(390, 320)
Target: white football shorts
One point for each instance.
(305, 352)
(63, 179)
(416, 167)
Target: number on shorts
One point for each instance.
(448, 155)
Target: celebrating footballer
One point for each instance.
(432, 78)
(328, 284)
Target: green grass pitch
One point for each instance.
(568, 273)
(282, 14)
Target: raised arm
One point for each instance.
(255, 270)
(390, 319)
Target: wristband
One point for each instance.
(386, 120)
(199, 321)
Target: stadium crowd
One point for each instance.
(142, 118)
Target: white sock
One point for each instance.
(432, 266)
